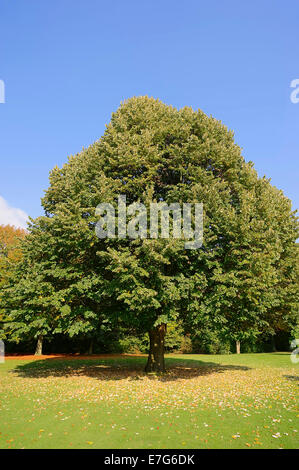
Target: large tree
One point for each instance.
(151, 152)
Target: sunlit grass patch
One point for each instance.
(244, 401)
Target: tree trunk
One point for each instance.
(238, 347)
(90, 349)
(39, 346)
(155, 361)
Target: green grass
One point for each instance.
(244, 401)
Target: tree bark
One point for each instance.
(39, 346)
(155, 361)
(238, 347)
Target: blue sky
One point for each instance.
(68, 64)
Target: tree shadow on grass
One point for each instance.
(294, 378)
(131, 368)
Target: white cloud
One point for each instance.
(12, 215)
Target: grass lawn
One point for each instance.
(245, 401)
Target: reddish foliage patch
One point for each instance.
(32, 357)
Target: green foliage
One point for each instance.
(174, 337)
(132, 345)
(174, 340)
(243, 281)
(186, 346)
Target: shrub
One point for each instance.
(186, 345)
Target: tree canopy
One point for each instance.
(242, 281)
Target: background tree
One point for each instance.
(10, 250)
(250, 279)
(46, 294)
(149, 152)
(10, 254)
